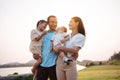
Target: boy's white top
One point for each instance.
(35, 33)
(58, 37)
(76, 40)
(35, 46)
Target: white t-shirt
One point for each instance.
(76, 40)
(35, 46)
(57, 38)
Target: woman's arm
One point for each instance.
(65, 49)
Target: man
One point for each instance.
(47, 68)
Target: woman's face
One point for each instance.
(73, 24)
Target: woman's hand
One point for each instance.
(75, 56)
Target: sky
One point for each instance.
(101, 20)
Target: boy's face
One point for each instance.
(42, 26)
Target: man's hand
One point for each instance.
(36, 56)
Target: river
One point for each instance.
(19, 70)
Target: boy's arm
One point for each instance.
(40, 36)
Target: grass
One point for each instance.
(25, 78)
(103, 72)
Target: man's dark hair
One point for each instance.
(50, 17)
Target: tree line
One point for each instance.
(115, 56)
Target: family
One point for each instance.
(54, 50)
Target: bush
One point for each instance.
(15, 73)
(115, 62)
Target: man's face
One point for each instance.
(52, 23)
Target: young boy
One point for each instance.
(36, 43)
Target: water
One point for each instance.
(22, 70)
(19, 70)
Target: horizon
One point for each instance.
(100, 18)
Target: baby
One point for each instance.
(59, 39)
(36, 43)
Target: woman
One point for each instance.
(71, 48)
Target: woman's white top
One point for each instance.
(77, 40)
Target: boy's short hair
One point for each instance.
(41, 21)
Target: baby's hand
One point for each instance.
(63, 41)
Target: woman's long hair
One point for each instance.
(80, 26)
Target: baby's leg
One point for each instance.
(65, 58)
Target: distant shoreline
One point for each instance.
(14, 71)
(13, 66)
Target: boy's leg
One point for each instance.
(35, 75)
(35, 66)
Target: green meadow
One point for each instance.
(101, 72)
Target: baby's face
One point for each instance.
(60, 30)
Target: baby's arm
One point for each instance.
(66, 38)
(51, 48)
